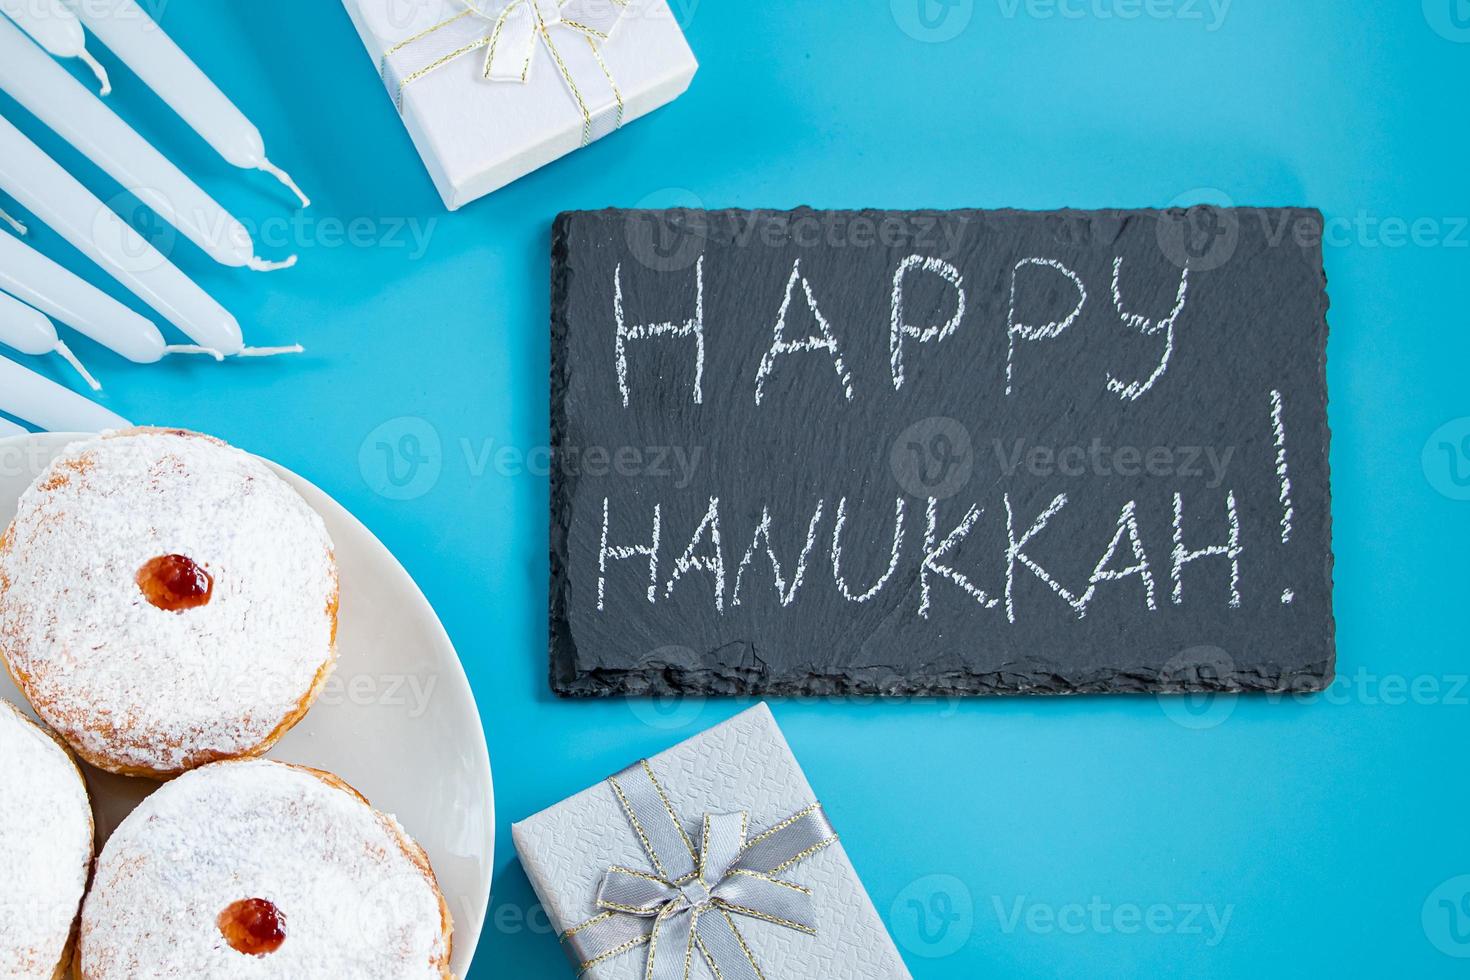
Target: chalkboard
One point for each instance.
(939, 452)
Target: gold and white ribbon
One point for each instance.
(511, 32)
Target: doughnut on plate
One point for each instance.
(397, 719)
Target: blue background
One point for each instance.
(1080, 837)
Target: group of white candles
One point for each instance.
(34, 290)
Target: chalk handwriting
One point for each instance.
(692, 327)
(900, 327)
(1148, 327)
(780, 345)
(1046, 331)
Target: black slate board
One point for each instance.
(1022, 403)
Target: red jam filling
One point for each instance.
(253, 926)
(174, 583)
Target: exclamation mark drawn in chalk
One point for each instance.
(1283, 477)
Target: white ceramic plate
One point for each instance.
(397, 720)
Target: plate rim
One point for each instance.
(458, 675)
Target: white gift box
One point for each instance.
(491, 90)
(741, 766)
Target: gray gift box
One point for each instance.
(772, 895)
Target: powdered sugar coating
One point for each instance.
(357, 896)
(45, 848)
(138, 689)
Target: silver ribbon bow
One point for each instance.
(511, 32)
(687, 905)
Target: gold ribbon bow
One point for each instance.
(510, 32)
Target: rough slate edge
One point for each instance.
(567, 681)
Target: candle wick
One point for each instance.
(285, 178)
(97, 70)
(258, 264)
(271, 351)
(20, 229)
(245, 352)
(81, 369)
(193, 349)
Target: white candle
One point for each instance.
(64, 104)
(135, 38)
(55, 197)
(41, 401)
(30, 332)
(56, 29)
(70, 299)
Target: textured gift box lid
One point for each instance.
(742, 764)
(476, 136)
